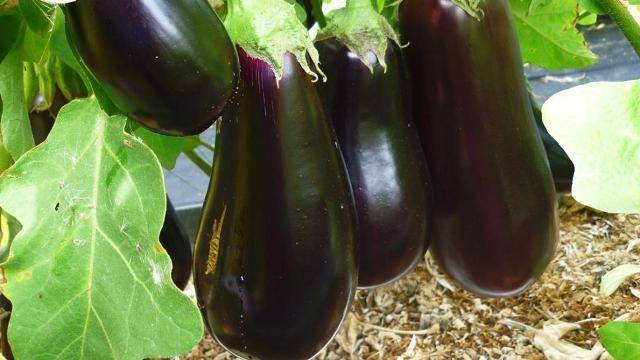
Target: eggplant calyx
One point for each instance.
(471, 7)
(267, 30)
(362, 29)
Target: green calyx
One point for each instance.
(471, 7)
(362, 29)
(267, 29)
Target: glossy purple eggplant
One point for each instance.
(371, 113)
(168, 64)
(561, 165)
(275, 268)
(495, 215)
(175, 241)
(5, 348)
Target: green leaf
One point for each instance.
(46, 83)
(38, 15)
(68, 81)
(535, 3)
(592, 6)
(587, 19)
(10, 28)
(14, 123)
(29, 84)
(61, 48)
(87, 274)
(612, 280)
(548, 37)
(597, 125)
(35, 46)
(166, 148)
(621, 339)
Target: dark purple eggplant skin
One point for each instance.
(371, 113)
(495, 225)
(175, 241)
(275, 269)
(561, 165)
(170, 65)
(5, 348)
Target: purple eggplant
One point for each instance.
(168, 64)
(371, 113)
(5, 347)
(275, 268)
(495, 226)
(561, 165)
(175, 241)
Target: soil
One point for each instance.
(425, 314)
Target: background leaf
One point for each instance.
(547, 34)
(593, 6)
(14, 123)
(38, 15)
(621, 339)
(87, 274)
(166, 148)
(612, 280)
(10, 27)
(597, 125)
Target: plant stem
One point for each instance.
(206, 145)
(201, 163)
(624, 20)
(9, 4)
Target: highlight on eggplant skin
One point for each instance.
(170, 65)
(275, 269)
(175, 241)
(389, 177)
(495, 225)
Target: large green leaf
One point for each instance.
(87, 274)
(598, 126)
(547, 34)
(621, 339)
(14, 123)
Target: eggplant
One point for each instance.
(495, 225)
(372, 116)
(170, 65)
(275, 269)
(175, 241)
(561, 165)
(5, 348)
(41, 125)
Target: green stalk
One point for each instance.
(625, 21)
(206, 145)
(201, 163)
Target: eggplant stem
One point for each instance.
(199, 161)
(471, 7)
(621, 15)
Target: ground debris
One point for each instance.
(426, 316)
